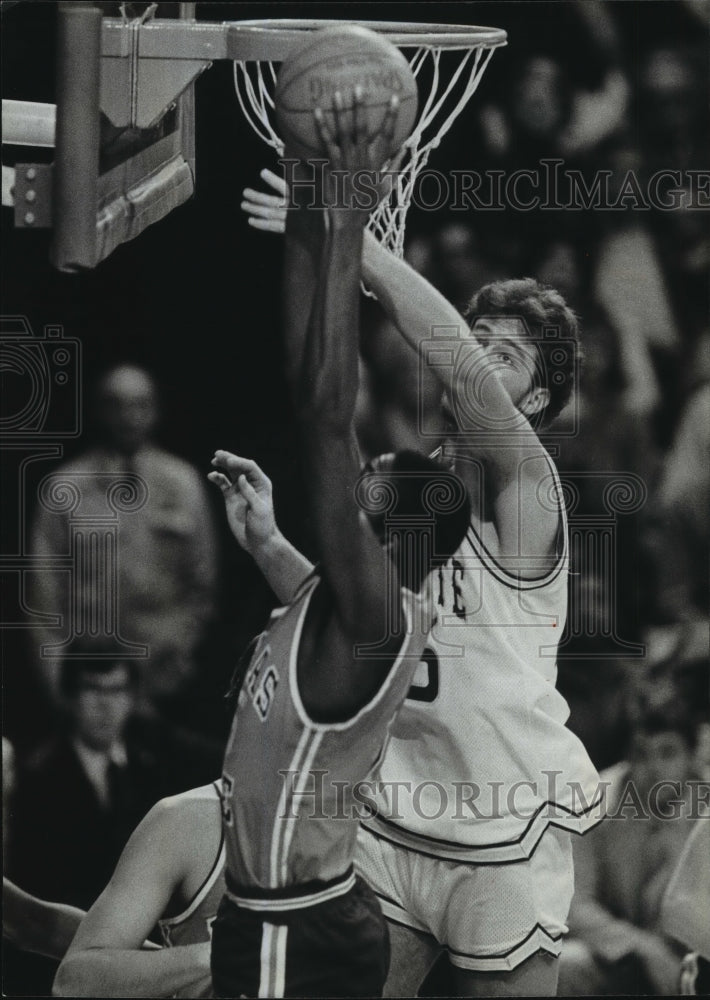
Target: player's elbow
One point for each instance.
(64, 982)
(77, 976)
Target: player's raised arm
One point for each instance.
(425, 319)
(496, 384)
(321, 317)
(250, 512)
(105, 958)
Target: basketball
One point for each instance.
(341, 58)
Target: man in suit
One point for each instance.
(79, 797)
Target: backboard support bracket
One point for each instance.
(140, 82)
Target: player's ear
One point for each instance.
(536, 400)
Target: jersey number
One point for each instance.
(428, 691)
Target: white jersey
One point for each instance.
(480, 760)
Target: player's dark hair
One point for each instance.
(549, 323)
(85, 660)
(407, 488)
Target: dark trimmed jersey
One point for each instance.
(482, 737)
(194, 924)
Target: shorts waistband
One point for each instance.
(295, 897)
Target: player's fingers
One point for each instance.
(359, 122)
(390, 120)
(277, 183)
(382, 140)
(343, 137)
(326, 135)
(219, 479)
(263, 211)
(263, 198)
(247, 491)
(268, 225)
(235, 465)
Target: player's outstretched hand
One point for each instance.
(348, 144)
(247, 498)
(356, 157)
(267, 211)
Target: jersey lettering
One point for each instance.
(225, 796)
(265, 692)
(252, 678)
(457, 575)
(429, 691)
(459, 608)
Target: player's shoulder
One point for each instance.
(179, 829)
(189, 806)
(537, 463)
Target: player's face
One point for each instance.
(103, 705)
(511, 355)
(514, 359)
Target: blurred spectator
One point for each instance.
(672, 133)
(684, 912)
(79, 797)
(165, 548)
(670, 108)
(600, 396)
(677, 533)
(623, 866)
(629, 285)
(458, 266)
(683, 243)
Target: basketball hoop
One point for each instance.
(134, 78)
(448, 60)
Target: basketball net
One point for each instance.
(451, 82)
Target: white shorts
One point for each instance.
(489, 917)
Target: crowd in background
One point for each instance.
(130, 729)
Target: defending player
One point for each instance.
(171, 873)
(480, 863)
(333, 667)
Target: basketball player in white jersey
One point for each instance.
(171, 874)
(474, 856)
(333, 667)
